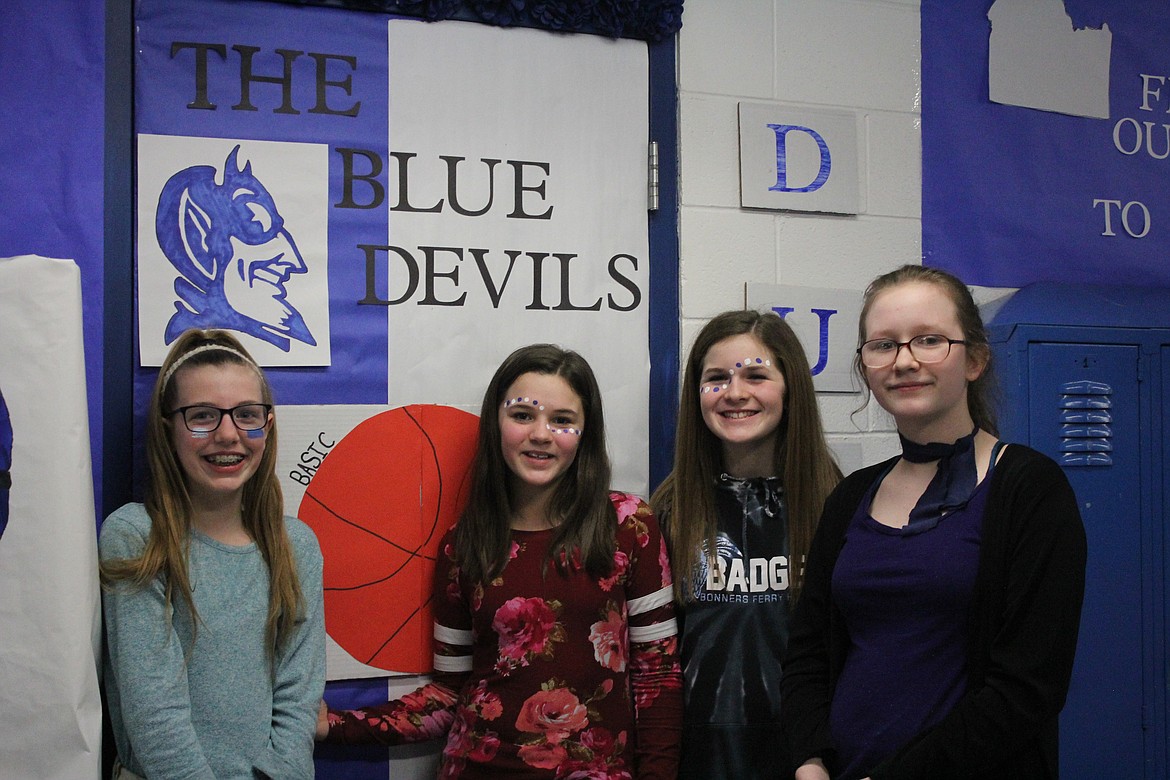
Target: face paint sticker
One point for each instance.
(540, 408)
(573, 431)
(522, 400)
(720, 384)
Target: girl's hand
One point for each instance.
(322, 722)
(813, 769)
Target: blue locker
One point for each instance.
(1085, 378)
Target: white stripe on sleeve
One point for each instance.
(666, 628)
(449, 663)
(452, 636)
(651, 601)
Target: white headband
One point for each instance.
(206, 348)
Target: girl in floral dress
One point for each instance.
(555, 635)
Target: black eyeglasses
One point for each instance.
(205, 419)
(927, 348)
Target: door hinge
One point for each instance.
(652, 178)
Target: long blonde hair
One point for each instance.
(168, 501)
(685, 501)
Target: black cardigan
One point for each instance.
(1023, 628)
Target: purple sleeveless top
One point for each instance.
(905, 597)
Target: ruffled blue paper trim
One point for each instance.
(649, 20)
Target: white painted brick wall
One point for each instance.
(858, 55)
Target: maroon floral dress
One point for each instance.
(557, 676)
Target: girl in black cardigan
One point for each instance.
(936, 631)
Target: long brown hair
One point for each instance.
(587, 521)
(982, 393)
(168, 502)
(685, 501)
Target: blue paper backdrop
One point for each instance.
(52, 70)
(1008, 192)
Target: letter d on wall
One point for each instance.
(798, 159)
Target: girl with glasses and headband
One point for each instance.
(938, 622)
(215, 655)
(555, 636)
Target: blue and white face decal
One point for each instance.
(5, 462)
(224, 235)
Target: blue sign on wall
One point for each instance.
(1057, 180)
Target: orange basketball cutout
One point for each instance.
(380, 504)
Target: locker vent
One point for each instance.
(1086, 424)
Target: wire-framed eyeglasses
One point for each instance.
(205, 419)
(927, 348)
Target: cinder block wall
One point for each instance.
(858, 55)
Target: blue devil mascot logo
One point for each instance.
(229, 244)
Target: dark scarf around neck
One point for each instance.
(953, 483)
